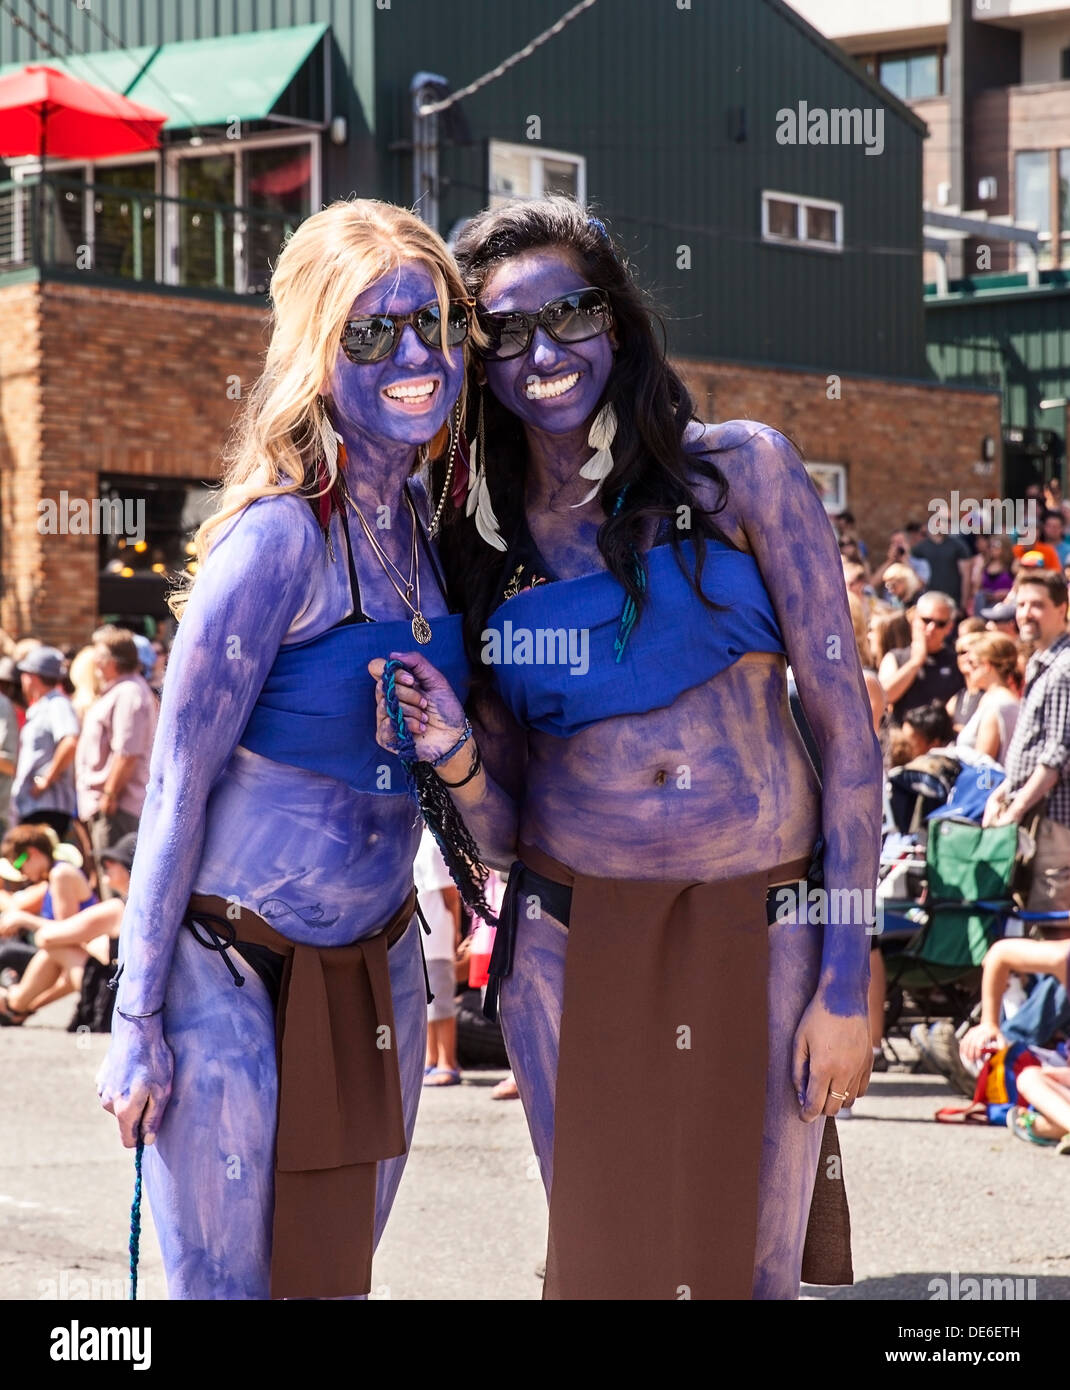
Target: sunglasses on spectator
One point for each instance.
(936, 622)
(570, 318)
(375, 337)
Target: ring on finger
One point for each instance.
(840, 1095)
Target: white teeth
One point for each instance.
(402, 393)
(537, 390)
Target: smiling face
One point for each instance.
(552, 386)
(406, 397)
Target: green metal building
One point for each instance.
(663, 114)
(997, 331)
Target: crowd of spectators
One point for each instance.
(76, 732)
(966, 654)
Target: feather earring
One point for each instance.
(479, 503)
(329, 440)
(600, 437)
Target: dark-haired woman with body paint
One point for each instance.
(276, 846)
(680, 1030)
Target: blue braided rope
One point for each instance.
(406, 749)
(135, 1219)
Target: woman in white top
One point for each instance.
(994, 657)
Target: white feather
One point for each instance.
(486, 521)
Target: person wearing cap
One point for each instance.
(43, 788)
(1001, 617)
(112, 764)
(66, 945)
(9, 740)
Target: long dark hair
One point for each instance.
(651, 466)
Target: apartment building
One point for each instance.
(991, 81)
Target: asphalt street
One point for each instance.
(928, 1201)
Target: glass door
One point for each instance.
(205, 250)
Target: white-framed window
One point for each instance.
(274, 180)
(830, 479)
(109, 215)
(792, 220)
(529, 171)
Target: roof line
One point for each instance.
(855, 70)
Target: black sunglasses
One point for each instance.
(571, 318)
(376, 337)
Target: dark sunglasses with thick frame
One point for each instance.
(569, 318)
(375, 337)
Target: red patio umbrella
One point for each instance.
(45, 112)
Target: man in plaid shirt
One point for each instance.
(1038, 760)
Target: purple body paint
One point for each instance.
(714, 786)
(323, 862)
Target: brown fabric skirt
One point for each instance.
(339, 1098)
(658, 1147)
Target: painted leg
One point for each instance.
(410, 1022)
(530, 1013)
(790, 1148)
(209, 1176)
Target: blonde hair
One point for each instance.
(907, 575)
(861, 628)
(82, 674)
(331, 258)
(1000, 651)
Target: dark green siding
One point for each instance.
(646, 92)
(1017, 341)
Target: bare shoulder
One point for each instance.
(280, 530)
(63, 874)
(762, 467)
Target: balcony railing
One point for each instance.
(138, 235)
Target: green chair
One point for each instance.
(970, 874)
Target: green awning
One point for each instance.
(114, 70)
(210, 82)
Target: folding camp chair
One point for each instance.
(970, 874)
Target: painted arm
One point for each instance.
(789, 535)
(252, 586)
(808, 594)
(435, 719)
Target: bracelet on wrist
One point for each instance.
(477, 763)
(445, 757)
(131, 1017)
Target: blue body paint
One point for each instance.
(323, 862)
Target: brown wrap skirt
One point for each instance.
(339, 1098)
(658, 1147)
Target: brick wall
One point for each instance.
(95, 380)
(936, 162)
(1004, 121)
(20, 455)
(903, 443)
(126, 383)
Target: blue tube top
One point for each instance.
(316, 709)
(48, 911)
(552, 653)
